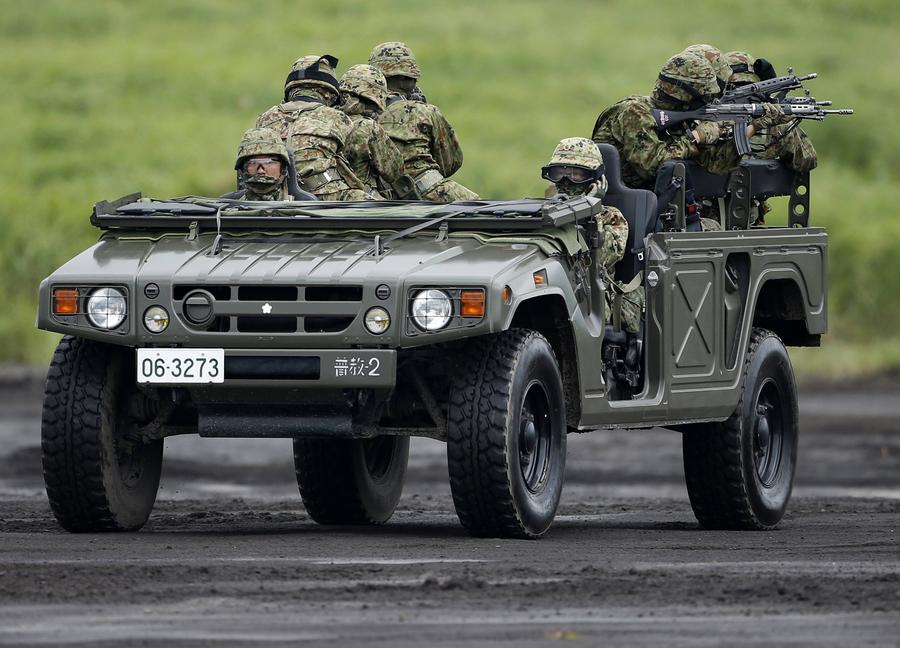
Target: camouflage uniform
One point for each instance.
(430, 150)
(263, 142)
(372, 155)
(315, 132)
(582, 152)
(686, 81)
(782, 142)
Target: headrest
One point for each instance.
(613, 167)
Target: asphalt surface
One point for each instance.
(230, 558)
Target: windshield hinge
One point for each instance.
(379, 247)
(193, 230)
(442, 232)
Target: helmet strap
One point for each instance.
(687, 87)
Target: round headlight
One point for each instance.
(156, 319)
(106, 308)
(377, 320)
(432, 309)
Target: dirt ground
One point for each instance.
(229, 556)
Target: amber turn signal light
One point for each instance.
(471, 303)
(65, 301)
(540, 278)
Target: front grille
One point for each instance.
(267, 293)
(257, 324)
(268, 308)
(334, 293)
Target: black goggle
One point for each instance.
(252, 165)
(578, 175)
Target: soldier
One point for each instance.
(576, 169)
(786, 142)
(372, 155)
(262, 164)
(686, 82)
(426, 140)
(315, 130)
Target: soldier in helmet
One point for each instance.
(431, 153)
(786, 142)
(372, 155)
(686, 82)
(315, 131)
(576, 169)
(262, 165)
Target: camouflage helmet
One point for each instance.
(395, 59)
(367, 82)
(714, 56)
(313, 70)
(741, 65)
(577, 151)
(261, 142)
(687, 78)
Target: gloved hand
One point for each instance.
(707, 132)
(772, 116)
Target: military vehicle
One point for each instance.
(349, 327)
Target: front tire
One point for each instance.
(351, 481)
(506, 445)
(740, 472)
(94, 481)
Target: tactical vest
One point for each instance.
(315, 134)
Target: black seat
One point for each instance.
(637, 205)
(750, 180)
(293, 186)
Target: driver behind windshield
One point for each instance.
(262, 165)
(576, 169)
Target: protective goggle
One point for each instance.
(254, 164)
(556, 172)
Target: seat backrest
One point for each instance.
(292, 184)
(637, 205)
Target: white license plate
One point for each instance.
(176, 366)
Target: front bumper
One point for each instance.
(306, 368)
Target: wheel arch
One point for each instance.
(548, 315)
(781, 305)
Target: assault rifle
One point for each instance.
(764, 90)
(741, 113)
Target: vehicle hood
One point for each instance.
(459, 258)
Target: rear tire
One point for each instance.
(351, 481)
(740, 472)
(93, 483)
(506, 436)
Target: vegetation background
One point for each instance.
(102, 98)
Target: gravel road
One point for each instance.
(230, 558)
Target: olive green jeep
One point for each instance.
(349, 327)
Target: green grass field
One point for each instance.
(106, 98)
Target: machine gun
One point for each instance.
(740, 114)
(765, 91)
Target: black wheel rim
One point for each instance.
(535, 437)
(768, 432)
(378, 453)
